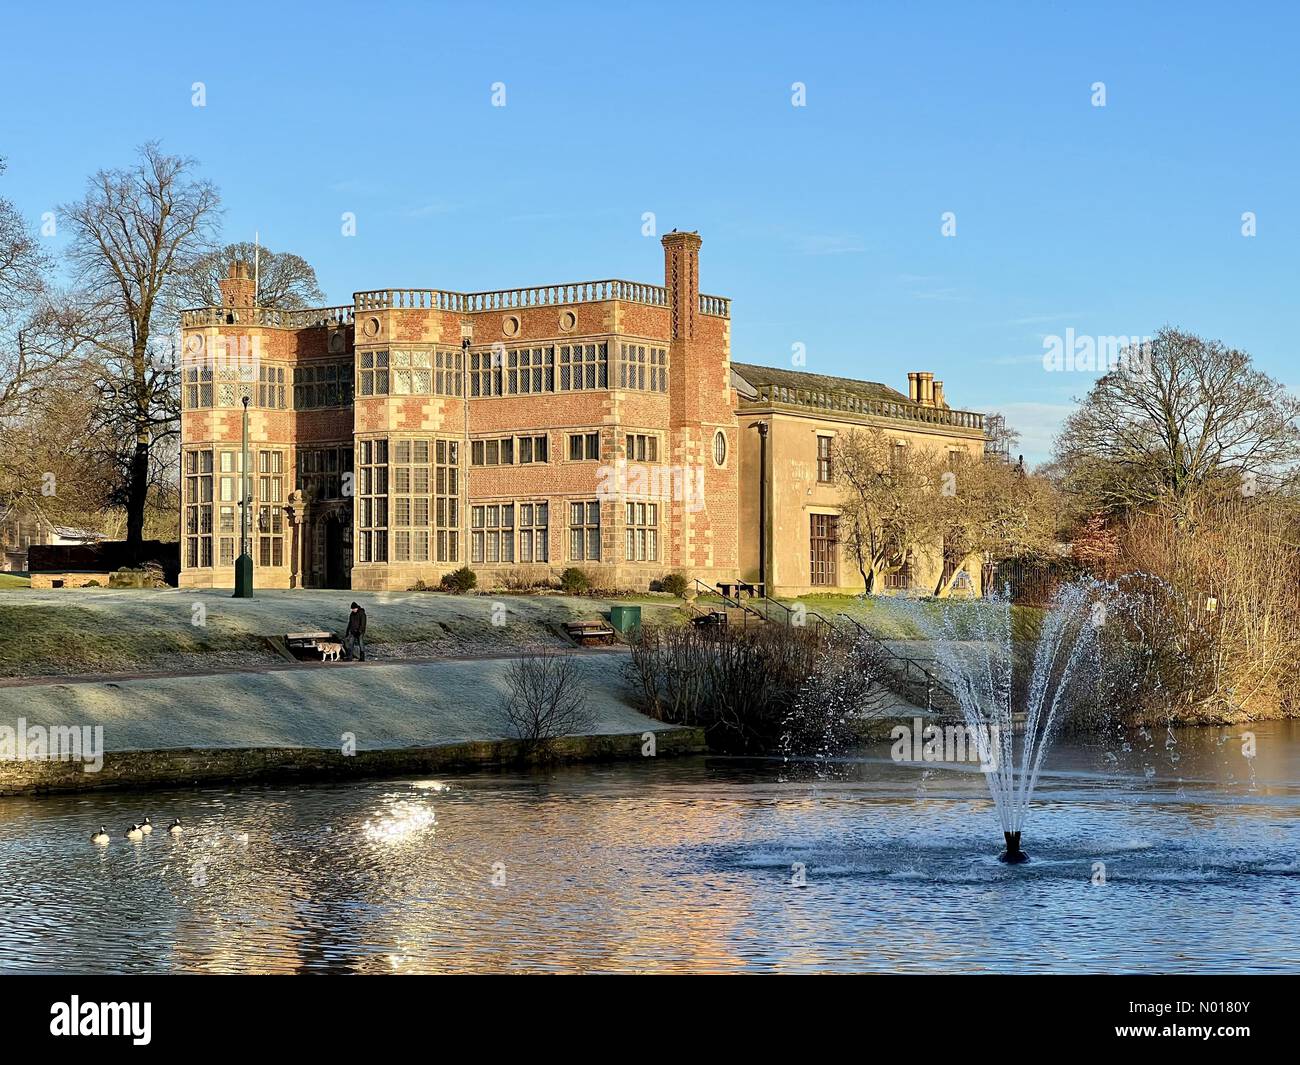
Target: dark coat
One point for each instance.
(357, 622)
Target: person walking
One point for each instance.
(354, 640)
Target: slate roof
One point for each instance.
(758, 376)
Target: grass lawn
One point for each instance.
(888, 619)
(10, 580)
(72, 639)
(106, 630)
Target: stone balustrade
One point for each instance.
(514, 298)
(717, 306)
(409, 299)
(270, 317)
(442, 300)
(849, 403)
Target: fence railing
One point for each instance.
(908, 672)
(913, 671)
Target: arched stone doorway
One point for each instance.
(328, 556)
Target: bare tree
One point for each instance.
(284, 280)
(844, 691)
(1182, 419)
(995, 511)
(1231, 592)
(35, 354)
(134, 233)
(22, 281)
(745, 686)
(889, 501)
(546, 698)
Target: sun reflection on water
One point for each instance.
(400, 823)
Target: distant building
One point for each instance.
(598, 424)
(23, 525)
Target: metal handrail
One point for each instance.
(931, 682)
(909, 665)
(736, 603)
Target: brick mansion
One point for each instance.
(598, 424)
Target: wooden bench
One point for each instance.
(741, 587)
(587, 632)
(306, 641)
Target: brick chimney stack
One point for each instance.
(914, 387)
(237, 289)
(686, 376)
(938, 394)
(682, 279)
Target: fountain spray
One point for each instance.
(974, 652)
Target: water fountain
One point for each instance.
(974, 649)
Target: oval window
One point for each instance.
(719, 447)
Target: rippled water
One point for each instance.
(681, 865)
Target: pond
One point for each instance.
(1160, 853)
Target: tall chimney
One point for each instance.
(926, 381)
(938, 394)
(914, 387)
(237, 289)
(682, 279)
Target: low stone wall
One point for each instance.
(68, 580)
(193, 766)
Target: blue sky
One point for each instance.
(822, 222)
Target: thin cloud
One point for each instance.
(428, 210)
(358, 186)
(1014, 360)
(830, 244)
(945, 295)
(1042, 319)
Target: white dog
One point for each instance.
(329, 650)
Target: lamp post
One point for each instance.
(466, 338)
(244, 563)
